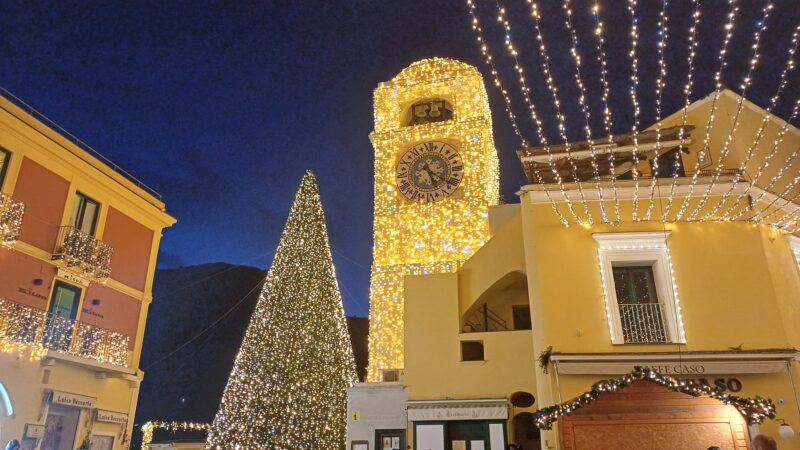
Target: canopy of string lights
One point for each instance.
(651, 111)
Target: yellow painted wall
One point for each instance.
(434, 369)
(724, 274)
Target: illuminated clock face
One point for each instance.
(429, 172)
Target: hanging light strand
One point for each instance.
(576, 57)
(526, 95)
(548, 77)
(784, 195)
(634, 101)
(687, 90)
(765, 163)
(607, 117)
(660, 83)
(714, 103)
(489, 60)
(762, 25)
(789, 67)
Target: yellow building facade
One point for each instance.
(80, 242)
(544, 310)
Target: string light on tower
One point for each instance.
(420, 237)
(687, 90)
(526, 95)
(762, 25)
(489, 60)
(729, 25)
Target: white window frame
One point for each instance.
(794, 244)
(639, 249)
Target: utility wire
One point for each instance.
(212, 325)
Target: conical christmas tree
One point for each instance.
(288, 386)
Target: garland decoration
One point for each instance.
(149, 427)
(754, 410)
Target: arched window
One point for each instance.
(430, 110)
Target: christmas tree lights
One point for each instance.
(288, 387)
(417, 237)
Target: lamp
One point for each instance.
(785, 430)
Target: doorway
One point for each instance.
(101, 442)
(60, 428)
(62, 313)
(390, 439)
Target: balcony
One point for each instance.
(11, 212)
(643, 323)
(83, 254)
(24, 327)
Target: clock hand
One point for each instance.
(427, 169)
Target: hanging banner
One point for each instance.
(76, 400)
(112, 417)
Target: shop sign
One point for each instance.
(34, 431)
(458, 413)
(693, 369)
(112, 417)
(720, 384)
(72, 277)
(80, 401)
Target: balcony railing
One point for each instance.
(11, 212)
(23, 326)
(82, 253)
(643, 323)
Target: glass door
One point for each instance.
(390, 439)
(61, 315)
(101, 442)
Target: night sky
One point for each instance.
(222, 105)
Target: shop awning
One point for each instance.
(476, 409)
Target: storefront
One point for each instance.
(766, 374)
(459, 424)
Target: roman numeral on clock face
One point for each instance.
(429, 171)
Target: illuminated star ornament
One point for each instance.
(288, 387)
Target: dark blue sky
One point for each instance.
(221, 105)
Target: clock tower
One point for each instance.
(436, 174)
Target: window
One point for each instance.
(63, 310)
(472, 350)
(5, 156)
(640, 293)
(84, 214)
(522, 317)
(670, 164)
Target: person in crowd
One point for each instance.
(764, 442)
